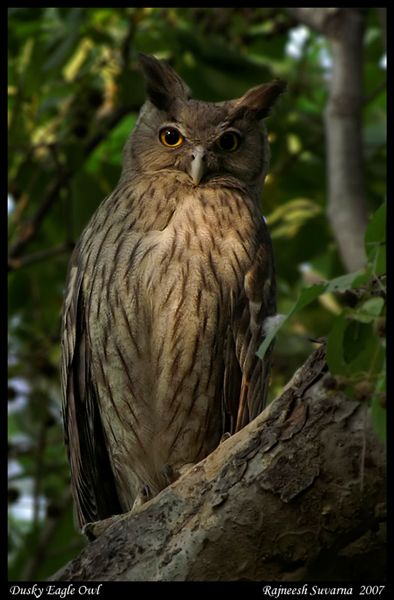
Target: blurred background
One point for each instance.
(74, 91)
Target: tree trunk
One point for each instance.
(347, 203)
(299, 493)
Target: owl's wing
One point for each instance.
(92, 479)
(246, 376)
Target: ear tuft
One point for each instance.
(163, 84)
(258, 101)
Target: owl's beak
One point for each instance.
(198, 164)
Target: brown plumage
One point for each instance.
(167, 293)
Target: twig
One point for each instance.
(41, 549)
(39, 463)
(24, 261)
(31, 227)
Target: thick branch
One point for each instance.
(347, 206)
(297, 493)
(320, 19)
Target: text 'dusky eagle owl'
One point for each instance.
(168, 289)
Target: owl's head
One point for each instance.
(209, 143)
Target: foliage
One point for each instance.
(74, 92)
(356, 343)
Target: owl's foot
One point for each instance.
(185, 468)
(225, 437)
(93, 530)
(171, 474)
(144, 495)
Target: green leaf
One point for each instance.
(377, 258)
(376, 230)
(288, 218)
(67, 40)
(377, 410)
(375, 241)
(344, 282)
(86, 196)
(271, 334)
(31, 76)
(335, 359)
(373, 307)
(375, 134)
(355, 340)
(306, 297)
(360, 316)
(353, 348)
(361, 279)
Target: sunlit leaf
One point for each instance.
(372, 306)
(306, 297)
(344, 282)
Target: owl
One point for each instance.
(168, 291)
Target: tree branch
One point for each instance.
(297, 493)
(347, 206)
(31, 227)
(320, 19)
(25, 261)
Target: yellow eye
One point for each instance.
(171, 137)
(229, 141)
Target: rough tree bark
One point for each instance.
(298, 494)
(347, 205)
